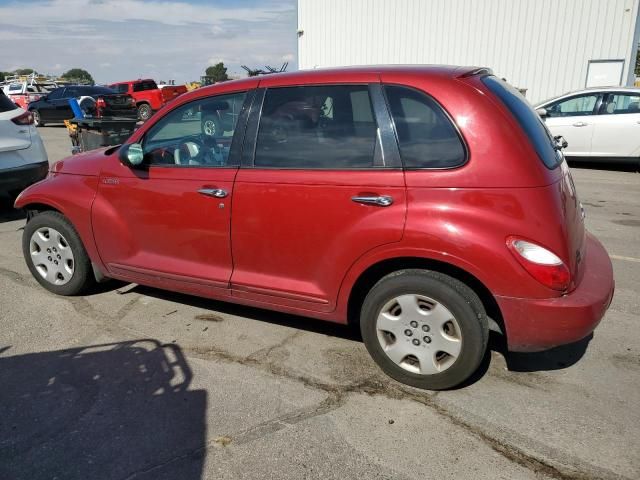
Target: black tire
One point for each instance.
(82, 277)
(37, 120)
(457, 297)
(144, 112)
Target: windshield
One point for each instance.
(529, 120)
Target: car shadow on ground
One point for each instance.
(102, 411)
(347, 332)
(554, 359)
(8, 213)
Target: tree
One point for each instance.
(78, 74)
(4, 74)
(217, 72)
(23, 71)
(637, 69)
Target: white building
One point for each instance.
(545, 46)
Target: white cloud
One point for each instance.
(122, 39)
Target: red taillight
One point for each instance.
(100, 105)
(542, 264)
(24, 119)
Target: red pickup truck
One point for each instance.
(148, 96)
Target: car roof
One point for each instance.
(336, 74)
(590, 90)
(134, 81)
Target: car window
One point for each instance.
(121, 88)
(142, 86)
(621, 103)
(55, 94)
(316, 127)
(197, 133)
(530, 122)
(573, 107)
(6, 105)
(426, 136)
(70, 92)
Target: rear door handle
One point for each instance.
(213, 192)
(380, 200)
(580, 124)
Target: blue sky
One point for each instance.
(162, 39)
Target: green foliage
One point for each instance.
(78, 74)
(217, 72)
(23, 71)
(4, 74)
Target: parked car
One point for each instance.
(597, 123)
(428, 205)
(21, 93)
(148, 96)
(23, 159)
(97, 101)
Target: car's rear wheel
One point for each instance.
(37, 120)
(424, 328)
(55, 255)
(144, 112)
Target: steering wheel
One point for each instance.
(190, 152)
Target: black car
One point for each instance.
(96, 101)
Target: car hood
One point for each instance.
(87, 164)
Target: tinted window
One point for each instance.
(122, 88)
(6, 104)
(573, 107)
(621, 103)
(142, 86)
(529, 120)
(197, 133)
(426, 136)
(328, 127)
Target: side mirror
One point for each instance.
(131, 155)
(542, 112)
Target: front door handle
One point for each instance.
(580, 124)
(213, 192)
(379, 200)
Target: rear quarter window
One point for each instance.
(426, 136)
(533, 126)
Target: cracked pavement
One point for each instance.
(131, 382)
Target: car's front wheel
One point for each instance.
(424, 328)
(55, 255)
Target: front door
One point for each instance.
(573, 119)
(318, 193)
(169, 222)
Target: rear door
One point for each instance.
(573, 118)
(617, 127)
(321, 185)
(169, 221)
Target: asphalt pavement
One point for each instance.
(131, 382)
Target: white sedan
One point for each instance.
(597, 123)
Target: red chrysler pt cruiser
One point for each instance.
(428, 205)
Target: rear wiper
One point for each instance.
(560, 142)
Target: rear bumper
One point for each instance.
(538, 324)
(18, 178)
